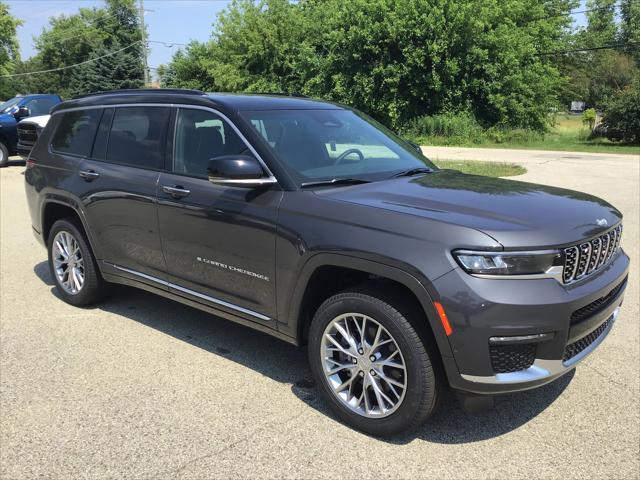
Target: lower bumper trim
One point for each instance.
(541, 368)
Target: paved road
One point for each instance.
(524, 157)
(141, 387)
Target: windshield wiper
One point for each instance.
(334, 181)
(412, 171)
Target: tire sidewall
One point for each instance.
(4, 155)
(86, 293)
(416, 372)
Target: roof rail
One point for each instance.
(283, 94)
(145, 91)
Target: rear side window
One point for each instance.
(76, 131)
(137, 136)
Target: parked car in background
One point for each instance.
(16, 109)
(28, 131)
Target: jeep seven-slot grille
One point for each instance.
(578, 346)
(512, 358)
(597, 305)
(587, 257)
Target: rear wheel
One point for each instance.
(73, 265)
(4, 155)
(371, 364)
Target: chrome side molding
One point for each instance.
(188, 291)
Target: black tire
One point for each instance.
(422, 386)
(94, 287)
(4, 155)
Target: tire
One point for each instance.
(414, 404)
(70, 235)
(4, 155)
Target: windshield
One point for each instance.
(9, 103)
(333, 144)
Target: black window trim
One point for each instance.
(270, 175)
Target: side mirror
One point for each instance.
(237, 170)
(22, 113)
(416, 146)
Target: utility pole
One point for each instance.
(143, 37)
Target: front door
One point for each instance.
(218, 241)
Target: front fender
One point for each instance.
(421, 288)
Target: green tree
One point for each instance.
(630, 28)
(622, 115)
(394, 59)
(9, 52)
(88, 34)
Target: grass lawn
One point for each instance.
(568, 134)
(488, 169)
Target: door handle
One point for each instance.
(176, 192)
(88, 175)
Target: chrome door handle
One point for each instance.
(88, 175)
(176, 192)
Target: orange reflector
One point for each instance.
(443, 318)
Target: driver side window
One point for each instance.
(200, 136)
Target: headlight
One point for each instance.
(508, 263)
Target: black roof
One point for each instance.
(226, 101)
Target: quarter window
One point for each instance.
(137, 136)
(200, 136)
(75, 132)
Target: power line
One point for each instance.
(168, 44)
(74, 65)
(589, 49)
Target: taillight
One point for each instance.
(31, 162)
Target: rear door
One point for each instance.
(218, 241)
(119, 194)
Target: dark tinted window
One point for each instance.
(40, 106)
(137, 136)
(75, 132)
(200, 136)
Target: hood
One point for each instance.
(516, 214)
(7, 119)
(40, 120)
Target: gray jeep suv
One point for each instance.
(311, 222)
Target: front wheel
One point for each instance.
(371, 364)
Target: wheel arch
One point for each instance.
(326, 274)
(59, 207)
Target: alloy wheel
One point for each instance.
(363, 365)
(68, 263)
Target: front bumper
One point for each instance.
(483, 309)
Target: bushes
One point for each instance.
(622, 116)
(454, 126)
(462, 129)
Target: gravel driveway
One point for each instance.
(142, 387)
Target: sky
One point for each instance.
(170, 21)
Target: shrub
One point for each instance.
(622, 115)
(456, 127)
(589, 118)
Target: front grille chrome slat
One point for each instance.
(587, 257)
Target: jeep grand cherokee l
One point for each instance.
(310, 221)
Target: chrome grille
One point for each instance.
(585, 258)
